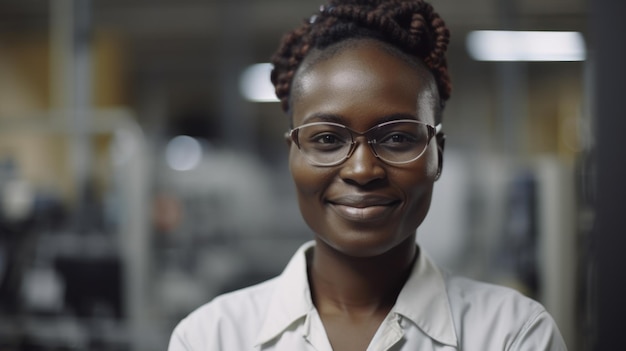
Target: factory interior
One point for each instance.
(143, 173)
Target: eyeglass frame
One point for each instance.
(432, 132)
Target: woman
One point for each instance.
(364, 85)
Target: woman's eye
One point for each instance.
(398, 138)
(327, 139)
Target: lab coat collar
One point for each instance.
(423, 300)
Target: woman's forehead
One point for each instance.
(380, 54)
(363, 80)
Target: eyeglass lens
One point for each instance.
(394, 142)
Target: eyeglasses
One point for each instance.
(395, 142)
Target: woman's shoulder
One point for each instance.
(486, 313)
(226, 318)
(473, 292)
(469, 298)
(247, 302)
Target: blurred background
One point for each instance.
(139, 179)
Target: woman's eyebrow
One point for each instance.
(323, 117)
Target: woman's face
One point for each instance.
(364, 207)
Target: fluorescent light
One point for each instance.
(490, 45)
(255, 84)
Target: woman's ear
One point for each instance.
(441, 143)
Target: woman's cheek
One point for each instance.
(307, 178)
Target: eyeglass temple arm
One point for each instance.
(438, 128)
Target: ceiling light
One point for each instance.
(490, 45)
(255, 84)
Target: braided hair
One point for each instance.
(409, 25)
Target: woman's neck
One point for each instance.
(341, 284)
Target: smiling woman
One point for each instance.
(362, 87)
(364, 84)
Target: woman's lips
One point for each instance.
(363, 208)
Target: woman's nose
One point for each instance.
(363, 167)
